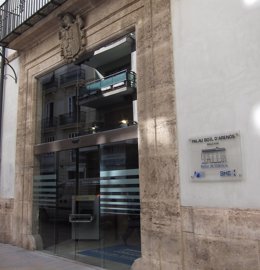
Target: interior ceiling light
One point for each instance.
(124, 121)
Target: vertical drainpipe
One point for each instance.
(1, 100)
(2, 73)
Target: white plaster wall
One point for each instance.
(7, 176)
(217, 72)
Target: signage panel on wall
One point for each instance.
(216, 158)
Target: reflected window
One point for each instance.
(94, 96)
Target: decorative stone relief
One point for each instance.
(71, 36)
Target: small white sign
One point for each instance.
(216, 158)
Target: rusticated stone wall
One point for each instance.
(221, 239)
(6, 221)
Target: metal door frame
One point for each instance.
(115, 135)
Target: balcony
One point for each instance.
(48, 123)
(96, 127)
(108, 90)
(72, 77)
(50, 87)
(73, 118)
(17, 16)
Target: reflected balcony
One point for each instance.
(96, 127)
(50, 87)
(49, 123)
(72, 77)
(109, 90)
(71, 119)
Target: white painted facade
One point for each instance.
(217, 75)
(9, 126)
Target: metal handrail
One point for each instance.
(15, 13)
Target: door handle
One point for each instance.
(80, 218)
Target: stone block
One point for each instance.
(26, 218)
(145, 263)
(160, 218)
(147, 143)
(163, 70)
(166, 137)
(187, 219)
(165, 95)
(216, 253)
(151, 264)
(210, 221)
(159, 180)
(244, 224)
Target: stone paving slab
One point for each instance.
(15, 258)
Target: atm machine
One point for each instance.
(84, 218)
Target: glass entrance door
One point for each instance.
(118, 205)
(77, 204)
(95, 212)
(67, 179)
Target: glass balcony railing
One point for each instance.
(16, 16)
(121, 79)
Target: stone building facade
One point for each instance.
(174, 235)
(106, 21)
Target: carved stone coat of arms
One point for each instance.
(71, 35)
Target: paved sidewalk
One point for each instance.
(15, 258)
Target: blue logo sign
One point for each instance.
(228, 173)
(199, 174)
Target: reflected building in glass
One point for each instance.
(86, 196)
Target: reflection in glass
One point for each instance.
(88, 204)
(45, 197)
(86, 200)
(93, 96)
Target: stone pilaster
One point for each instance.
(159, 182)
